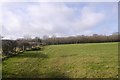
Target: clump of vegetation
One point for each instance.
(13, 47)
(95, 38)
(8, 47)
(36, 48)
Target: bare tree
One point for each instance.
(45, 37)
(27, 37)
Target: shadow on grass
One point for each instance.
(48, 76)
(68, 55)
(32, 54)
(55, 74)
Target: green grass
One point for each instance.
(97, 60)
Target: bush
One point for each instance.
(8, 47)
(36, 48)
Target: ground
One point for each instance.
(91, 60)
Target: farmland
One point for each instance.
(92, 60)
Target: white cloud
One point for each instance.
(3, 1)
(12, 22)
(88, 19)
(48, 19)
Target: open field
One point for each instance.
(68, 61)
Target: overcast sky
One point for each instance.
(60, 19)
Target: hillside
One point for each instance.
(68, 61)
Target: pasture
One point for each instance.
(93, 60)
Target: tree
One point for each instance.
(23, 44)
(8, 46)
(45, 37)
(37, 39)
(27, 37)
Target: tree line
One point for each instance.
(19, 45)
(13, 47)
(95, 38)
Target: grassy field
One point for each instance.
(67, 61)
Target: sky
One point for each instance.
(58, 18)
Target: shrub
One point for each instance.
(36, 48)
(8, 47)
